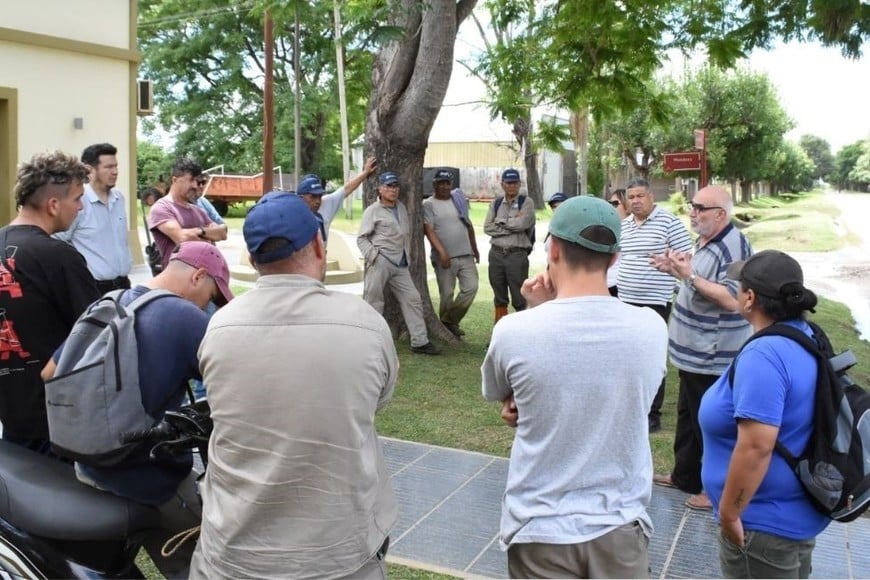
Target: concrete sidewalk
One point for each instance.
(450, 507)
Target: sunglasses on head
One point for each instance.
(614, 202)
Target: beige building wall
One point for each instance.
(70, 68)
(472, 154)
(103, 22)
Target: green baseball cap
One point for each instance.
(575, 215)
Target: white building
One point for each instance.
(68, 72)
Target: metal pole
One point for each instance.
(268, 105)
(342, 108)
(297, 114)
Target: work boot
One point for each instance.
(427, 348)
(454, 329)
(500, 312)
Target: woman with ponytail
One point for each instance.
(767, 524)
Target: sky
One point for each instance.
(825, 93)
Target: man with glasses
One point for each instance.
(99, 232)
(44, 286)
(648, 230)
(705, 330)
(168, 333)
(175, 218)
(203, 202)
(385, 242)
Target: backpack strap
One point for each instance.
(809, 344)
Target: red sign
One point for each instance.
(688, 161)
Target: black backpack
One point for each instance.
(520, 200)
(834, 469)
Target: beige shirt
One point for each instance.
(510, 225)
(296, 485)
(385, 231)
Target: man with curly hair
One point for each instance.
(44, 286)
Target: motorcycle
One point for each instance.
(53, 526)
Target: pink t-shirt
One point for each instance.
(187, 216)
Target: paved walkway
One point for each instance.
(450, 505)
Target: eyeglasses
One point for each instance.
(698, 207)
(614, 202)
(201, 182)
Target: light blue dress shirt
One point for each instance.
(99, 233)
(207, 206)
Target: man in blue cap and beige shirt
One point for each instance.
(385, 242)
(297, 485)
(509, 222)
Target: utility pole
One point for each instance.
(268, 106)
(297, 109)
(342, 108)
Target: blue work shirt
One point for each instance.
(99, 233)
(208, 208)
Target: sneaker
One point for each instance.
(427, 348)
(454, 329)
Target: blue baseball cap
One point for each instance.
(388, 178)
(510, 176)
(442, 175)
(279, 215)
(310, 184)
(557, 197)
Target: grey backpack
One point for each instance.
(94, 397)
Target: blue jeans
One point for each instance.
(766, 556)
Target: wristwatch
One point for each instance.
(691, 279)
(201, 233)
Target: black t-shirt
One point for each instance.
(44, 286)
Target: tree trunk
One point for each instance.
(409, 81)
(745, 191)
(522, 131)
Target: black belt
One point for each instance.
(509, 250)
(119, 283)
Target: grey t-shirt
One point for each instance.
(583, 372)
(443, 216)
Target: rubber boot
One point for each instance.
(500, 312)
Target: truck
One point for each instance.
(225, 189)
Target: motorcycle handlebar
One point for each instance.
(162, 430)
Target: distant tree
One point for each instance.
(206, 58)
(819, 151)
(844, 163)
(152, 162)
(745, 124)
(792, 169)
(860, 174)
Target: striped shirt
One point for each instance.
(638, 281)
(704, 338)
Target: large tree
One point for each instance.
(409, 80)
(745, 124)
